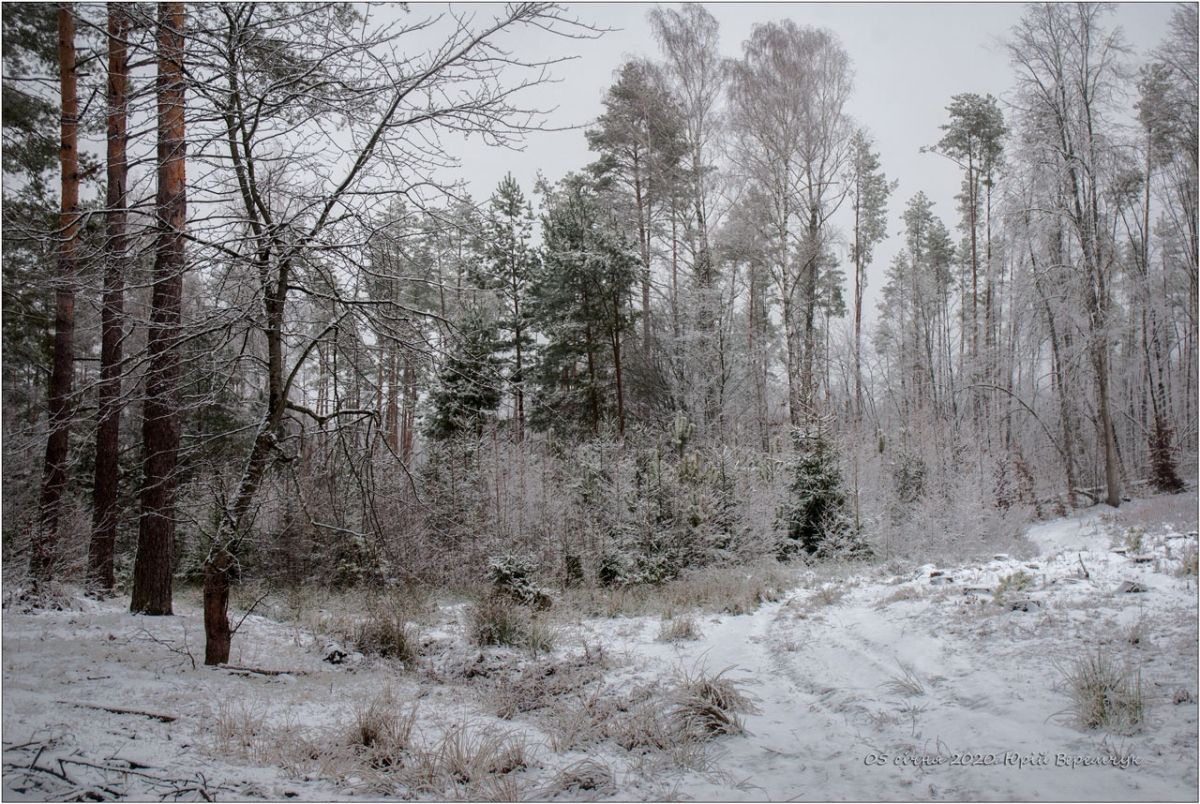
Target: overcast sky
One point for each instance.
(908, 58)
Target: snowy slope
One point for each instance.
(923, 685)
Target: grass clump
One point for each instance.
(586, 776)
(906, 682)
(1189, 565)
(1103, 694)
(901, 594)
(383, 731)
(467, 764)
(709, 706)
(678, 628)
(499, 620)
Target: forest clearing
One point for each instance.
(837, 666)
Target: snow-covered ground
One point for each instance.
(866, 683)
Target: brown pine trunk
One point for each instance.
(54, 477)
(108, 392)
(393, 398)
(160, 420)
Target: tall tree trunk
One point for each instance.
(160, 418)
(108, 392)
(616, 347)
(393, 397)
(858, 293)
(644, 246)
(54, 476)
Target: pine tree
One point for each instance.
(468, 387)
(581, 295)
(869, 193)
(507, 268)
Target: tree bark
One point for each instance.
(54, 477)
(160, 419)
(108, 392)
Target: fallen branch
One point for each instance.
(261, 671)
(117, 710)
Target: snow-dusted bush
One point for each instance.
(498, 620)
(513, 575)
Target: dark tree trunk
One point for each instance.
(160, 419)
(218, 636)
(54, 477)
(108, 393)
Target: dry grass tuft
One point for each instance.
(467, 764)
(382, 731)
(585, 776)
(1104, 695)
(906, 682)
(709, 706)
(679, 628)
(901, 594)
(240, 730)
(540, 684)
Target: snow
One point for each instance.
(869, 683)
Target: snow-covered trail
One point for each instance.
(926, 688)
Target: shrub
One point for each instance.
(1104, 695)
(388, 635)
(497, 620)
(512, 575)
(540, 636)
(611, 570)
(1017, 581)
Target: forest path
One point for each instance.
(922, 688)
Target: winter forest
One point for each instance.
(721, 464)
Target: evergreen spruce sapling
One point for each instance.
(817, 518)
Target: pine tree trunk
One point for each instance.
(54, 477)
(160, 422)
(108, 392)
